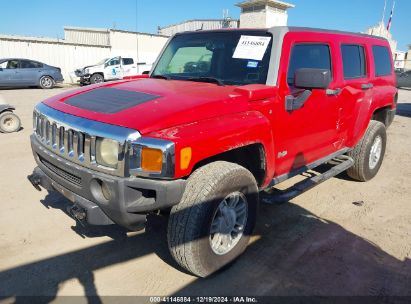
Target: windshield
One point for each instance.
(231, 57)
(102, 61)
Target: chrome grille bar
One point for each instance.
(74, 138)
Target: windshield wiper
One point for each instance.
(161, 77)
(207, 79)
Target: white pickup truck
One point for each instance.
(111, 69)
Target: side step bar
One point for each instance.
(274, 196)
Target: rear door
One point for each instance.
(30, 72)
(357, 92)
(310, 133)
(129, 68)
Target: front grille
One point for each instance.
(74, 138)
(62, 173)
(64, 141)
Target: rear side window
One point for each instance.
(27, 64)
(314, 56)
(353, 57)
(127, 61)
(382, 60)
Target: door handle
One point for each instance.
(334, 92)
(367, 86)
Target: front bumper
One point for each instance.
(129, 199)
(85, 79)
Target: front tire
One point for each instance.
(9, 122)
(368, 154)
(46, 82)
(96, 78)
(212, 224)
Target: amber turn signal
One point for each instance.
(151, 159)
(185, 158)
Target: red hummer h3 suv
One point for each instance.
(221, 119)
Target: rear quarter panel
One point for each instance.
(380, 96)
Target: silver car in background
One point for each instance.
(16, 72)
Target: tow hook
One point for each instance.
(77, 213)
(35, 180)
(38, 178)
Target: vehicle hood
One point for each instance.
(149, 105)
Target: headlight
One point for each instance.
(86, 71)
(107, 152)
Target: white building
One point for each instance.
(381, 31)
(198, 24)
(263, 13)
(254, 14)
(400, 59)
(83, 46)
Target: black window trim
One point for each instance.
(375, 63)
(18, 60)
(31, 61)
(310, 43)
(367, 70)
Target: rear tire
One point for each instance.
(9, 122)
(96, 78)
(368, 154)
(212, 224)
(46, 82)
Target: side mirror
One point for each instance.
(146, 73)
(307, 79)
(312, 78)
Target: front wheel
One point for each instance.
(96, 78)
(212, 224)
(9, 122)
(46, 82)
(368, 154)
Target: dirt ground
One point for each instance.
(320, 243)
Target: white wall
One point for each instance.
(87, 36)
(125, 44)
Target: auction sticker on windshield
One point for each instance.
(251, 47)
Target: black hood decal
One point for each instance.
(109, 100)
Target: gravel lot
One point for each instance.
(318, 244)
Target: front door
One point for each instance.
(112, 69)
(311, 132)
(8, 72)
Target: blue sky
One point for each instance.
(47, 18)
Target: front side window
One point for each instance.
(313, 56)
(382, 60)
(114, 61)
(353, 57)
(218, 56)
(10, 64)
